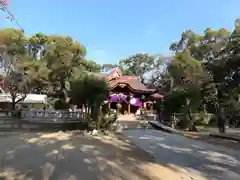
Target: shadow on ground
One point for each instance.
(70, 156)
(195, 158)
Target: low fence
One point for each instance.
(44, 114)
(150, 115)
(52, 116)
(32, 119)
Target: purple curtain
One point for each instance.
(118, 97)
(123, 98)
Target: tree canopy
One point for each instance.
(206, 66)
(41, 63)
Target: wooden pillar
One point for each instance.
(129, 105)
(151, 108)
(83, 112)
(129, 108)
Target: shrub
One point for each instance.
(91, 92)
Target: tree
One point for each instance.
(211, 50)
(187, 76)
(39, 74)
(18, 85)
(108, 67)
(90, 66)
(36, 45)
(138, 64)
(185, 69)
(46, 63)
(93, 92)
(62, 55)
(13, 55)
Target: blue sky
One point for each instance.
(114, 29)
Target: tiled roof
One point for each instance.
(132, 81)
(116, 78)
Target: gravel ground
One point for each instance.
(74, 156)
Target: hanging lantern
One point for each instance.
(143, 98)
(162, 101)
(133, 101)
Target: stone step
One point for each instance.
(133, 124)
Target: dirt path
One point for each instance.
(67, 156)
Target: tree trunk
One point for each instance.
(192, 124)
(221, 124)
(64, 90)
(173, 121)
(193, 127)
(13, 106)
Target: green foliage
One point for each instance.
(13, 54)
(108, 67)
(18, 85)
(12, 42)
(185, 69)
(93, 90)
(107, 119)
(138, 64)
(205, 70)
(90, 66)
(175, 101)
(90, 91)
(60, 104)
(44, 63)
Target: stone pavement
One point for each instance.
(195, 158)
(131, 122)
